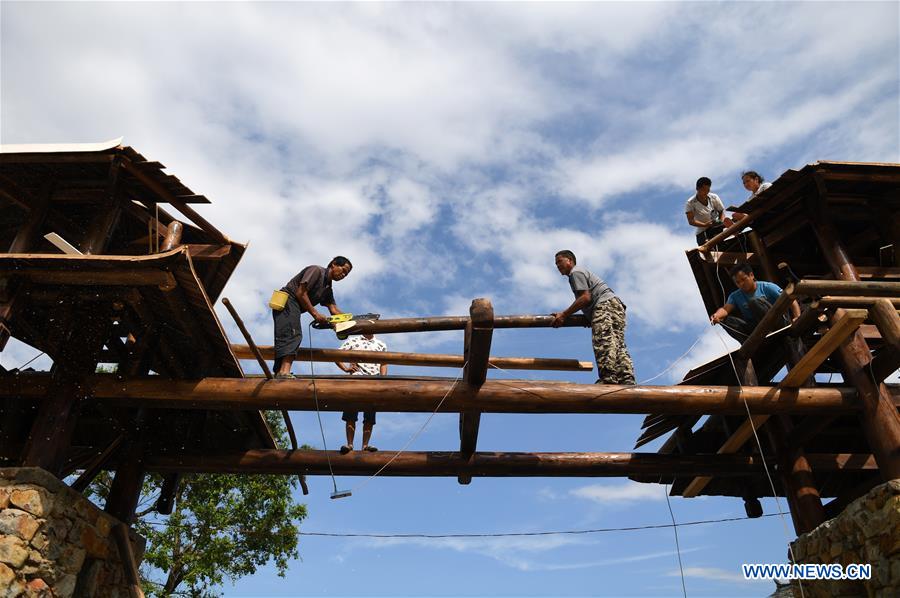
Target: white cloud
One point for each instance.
(626, 492)
(714, 574)
(521, 552)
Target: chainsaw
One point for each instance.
(344, 322)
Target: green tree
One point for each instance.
(223, 526)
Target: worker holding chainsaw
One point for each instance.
(311, 287)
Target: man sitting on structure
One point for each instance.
(704, 211)
(366, 342)
(753, 299)
(605, 312)
(311, 287)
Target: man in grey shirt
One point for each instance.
(605, 312)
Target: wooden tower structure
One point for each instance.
(137, 287)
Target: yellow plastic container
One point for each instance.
(278, 301)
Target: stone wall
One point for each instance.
(54, 542)
(868, 531)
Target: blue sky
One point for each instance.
(449, 150)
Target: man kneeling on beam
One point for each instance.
(752, 299)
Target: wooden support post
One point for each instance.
(126, 554)
(479, 332)
(173, 236)
(125, 492)
(879, 416)
(796, 477)
(167, 493)
(54, 425)
(888, 322)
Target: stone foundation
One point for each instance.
(54, 542)
(868, 531)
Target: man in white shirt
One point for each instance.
(366, 342)
(704, 211)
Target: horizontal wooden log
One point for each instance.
(453, 464)
(855, 302)
(430, 324)
(848, 288)
(421, 395)
(484, 464)
(418, 359)
(123, 277)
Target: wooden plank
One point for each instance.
(208, 252)
(477, 350)
(419, 395)
(838, 333)
(423, 359)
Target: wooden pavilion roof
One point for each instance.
(153, 309)
(863, 202)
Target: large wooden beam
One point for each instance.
(888, 322)
(856, 302)
(842, 327)
(507, 464)
(477, 350)
(123, 277)
(420, 395)
(421, 359)
(849, 287)
(431, 324)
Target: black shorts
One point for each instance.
(707, 234)
(352, 416)
(288, 329)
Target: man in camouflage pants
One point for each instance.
(606, 312)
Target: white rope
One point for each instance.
(418, 432)
(318, 413)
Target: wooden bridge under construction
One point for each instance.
(136, 284)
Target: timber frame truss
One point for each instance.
(138, 295)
